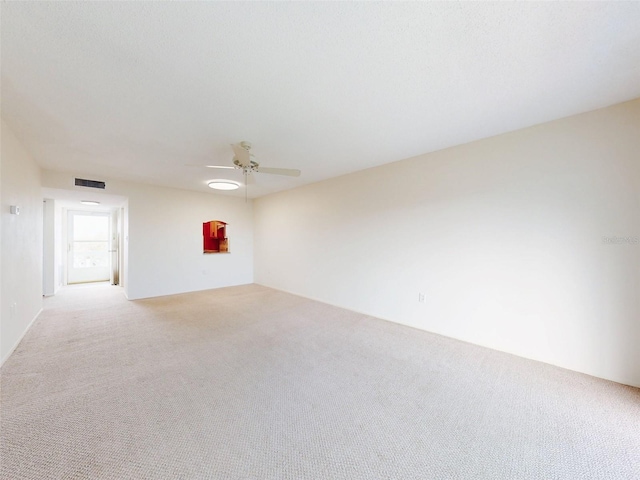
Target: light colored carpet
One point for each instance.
(252, 383)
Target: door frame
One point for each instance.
(68, 230)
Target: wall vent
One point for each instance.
(81, 182)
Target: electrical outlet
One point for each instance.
(421, 297)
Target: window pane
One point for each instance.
(90, 227)
(90, 254)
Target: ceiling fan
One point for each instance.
(242, 160)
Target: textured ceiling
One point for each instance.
(136, 90)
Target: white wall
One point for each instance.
(165, 241)
(48, 254)
(503, 235)
(59, 247)
(1, 250)
(21, 245)
(163, 238)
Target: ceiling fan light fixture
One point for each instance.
(223, 185)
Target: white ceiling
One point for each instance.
(136, 90)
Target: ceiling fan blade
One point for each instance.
(210, 166)
(249, 179)
(242, 154)
(290, 172)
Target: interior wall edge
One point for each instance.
(7, 355)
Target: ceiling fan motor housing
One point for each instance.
(252, 167)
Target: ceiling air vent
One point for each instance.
(81, 182)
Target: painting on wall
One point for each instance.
(214, 234)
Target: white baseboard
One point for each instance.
(12, 349)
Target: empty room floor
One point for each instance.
(252, 383)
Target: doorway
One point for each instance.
(89, 256)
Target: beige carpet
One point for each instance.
(252, 383)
